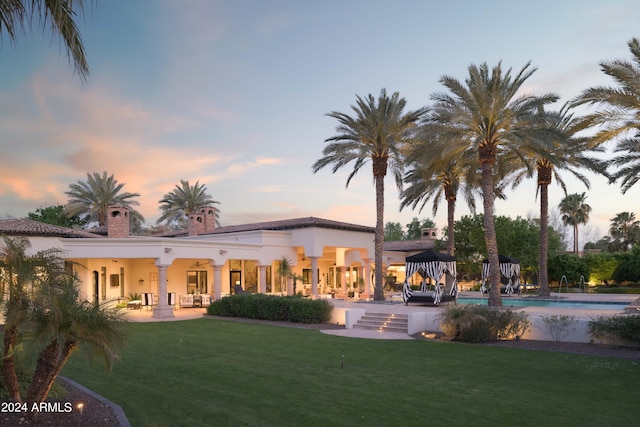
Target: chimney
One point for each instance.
(429, 233)
(118, 221)
(196, 224)
(209, 214)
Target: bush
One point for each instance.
(269, 307)
(560, 326)
(480, 323)
(619, 328)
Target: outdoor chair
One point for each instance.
(148, 300)
(237, 289)
(186, 300)
(171, 298)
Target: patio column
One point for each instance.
(314, 276)
(343, 280)
(217, 281)
(162, 310)
(262, 279)
(367, 276)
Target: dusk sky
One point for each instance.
(234, 94)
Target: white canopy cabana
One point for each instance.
(433, 265)
(509, 268)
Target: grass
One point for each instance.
(217, 372)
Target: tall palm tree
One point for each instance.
(59, 16)
(575, 212)
(625, 229)
(618, 114)
(435, 173)
(378, 132)
(485, 115)
(93, 198)
(565, 151)
(185, 199)
(432, 176)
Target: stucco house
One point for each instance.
(328, 257)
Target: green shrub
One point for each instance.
(621, 328)
(480, 323)
(269, 307)
(560, 326)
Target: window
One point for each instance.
(306, 276)
(196, 282)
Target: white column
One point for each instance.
(367, 276)
(262, 279)
(314, 276)
(162, 310)
(217, 281)
(343, 280)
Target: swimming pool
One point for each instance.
(526, 302)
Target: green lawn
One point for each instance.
(214, 372)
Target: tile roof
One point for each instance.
(409, 245)
(28, 227)
(285, 224)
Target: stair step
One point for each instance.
(383, 321)
(379, 327)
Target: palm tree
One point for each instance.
(378, 132)
(62, 323)
(625, 229)
(284, 271)
(575, 212)
(93, 198)
(433, 175)
(618, 115)
(185, 199)
(57, 15)
(17, 277)
(565, 151)
(486, 117)
(43, 311)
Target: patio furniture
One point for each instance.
(238, 290)
(206, 300)
(134, 304)
(197, 300)
(186, 300)
(509, 268)
(433, 265)
(148, 300)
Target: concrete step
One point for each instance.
(383, 321)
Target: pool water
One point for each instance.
(587, 305)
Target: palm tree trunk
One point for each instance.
(9, 375)
(50, 363)
(451, 210)
(378, 291)
(575, 238)
(490, 235)
(543, 275)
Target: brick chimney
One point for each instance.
(430, 233)
(209, 214)
(117, 221)
(196, 224)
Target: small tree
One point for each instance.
(284, 271)
(44, 314)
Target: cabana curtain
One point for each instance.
(433, 265)
(509, 268)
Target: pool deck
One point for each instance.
(394, 305)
